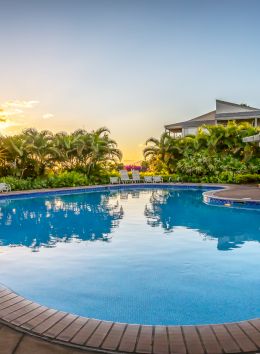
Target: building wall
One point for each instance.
(190, 131)
(252, 121)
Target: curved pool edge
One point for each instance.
(112, 337)
(210, 196)
(105, 187)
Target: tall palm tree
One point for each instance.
(39, 146)
(166, 150)
(101, 149)
(205, 152)
(68, 149)
(16, 156)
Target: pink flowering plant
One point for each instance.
(132, 167)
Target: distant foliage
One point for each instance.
(216, 154)
(34, 154)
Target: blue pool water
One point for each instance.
(154, 256)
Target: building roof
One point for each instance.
(229, 110)
(207, 118)
(224, 111)
(241, 105)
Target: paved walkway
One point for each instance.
(240, 192)
(15, 342)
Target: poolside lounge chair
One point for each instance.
(157, 179)
(124, 177)
(148, 179)
(114, 180)
(136, 176)
(124, 195)
(4, 187)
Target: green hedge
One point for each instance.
(75, 179)
(248, 178)
(223, 177)
(64, 179)
(16, 183)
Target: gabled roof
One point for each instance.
(207, 118)
(245, 106)
(204, 117)
(224, 110)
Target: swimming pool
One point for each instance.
(150, 256)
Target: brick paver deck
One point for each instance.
(29, 328)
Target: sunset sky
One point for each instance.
(130, 65)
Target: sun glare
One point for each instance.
(7, 126)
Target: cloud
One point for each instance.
(15, 108)
(19, 104)
(47, 116)
(10, 112)
(8, 126)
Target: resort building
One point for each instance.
(224, 112)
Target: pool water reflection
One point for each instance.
(156, 256)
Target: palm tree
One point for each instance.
(68, 149)
(205, 153)
(16, 156)
(39, 146)
(32, 152)
(100, 149)
(166, 150)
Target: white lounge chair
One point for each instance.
(136, 176)
(157, 179)
(124, 177)
(4, 187)
(114, 180)
(148, 179)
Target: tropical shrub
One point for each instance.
(63, 179)
(17, 183)
(133, 167)
(33, 154)
(216, 154)
(247, 178)
(67, 179)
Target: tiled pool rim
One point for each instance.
(110, 337)
(209, 196)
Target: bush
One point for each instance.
(76, 179)
(102, 177)
(247, 178)
(64, 179)
(16, 183)
(67, 179)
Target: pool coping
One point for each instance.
(113, 337)
(209, 197)
(74, 331)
